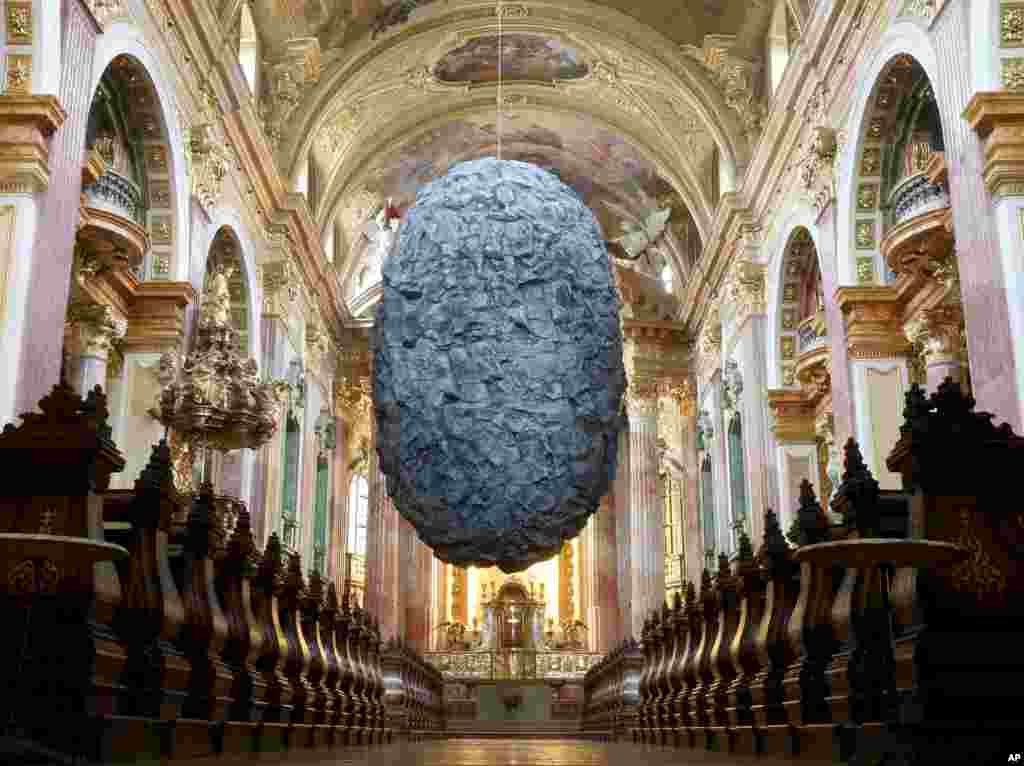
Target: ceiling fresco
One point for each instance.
(522, 57)
(610, 174)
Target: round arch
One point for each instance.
(905, 38)
(800, 218)
(124, 39)
(204, 237)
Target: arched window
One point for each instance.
(358, 504)
(666, 277)
(707, 502)
(737, 480)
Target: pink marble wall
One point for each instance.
(842, 401)
(50, 276)
(982, 283)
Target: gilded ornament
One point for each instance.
(979, 573)
(159, 194)
(865, 270)
(789, 375)
(790, 292)
(875, 129)
(885, 96)
(19, 23)
(788, 346)
(1011, 25)
(1012, 72)
(789, 320)
(926, 9)
(160, 230)
(867, 197)
(512, 11)
(156, 159)
(871, 161)
(19, 74)
(161, 266)
(865, 235)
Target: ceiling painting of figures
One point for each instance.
(521, 57)
(608, 172)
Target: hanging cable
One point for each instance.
(501, 61)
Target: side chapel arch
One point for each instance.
(168, 222)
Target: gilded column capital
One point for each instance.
(93, 329)
(939, 331)
(354, 398)
(684, 394)
(874, 317)
(642, 395)
(998, 118)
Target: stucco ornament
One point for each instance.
(498, 370)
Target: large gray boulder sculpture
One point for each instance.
(498, 368)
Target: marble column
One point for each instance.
(753, 407)
(275, 282)
(91, 332)
(56, 212)
(646, 513)
(621, 534)
(942, 354)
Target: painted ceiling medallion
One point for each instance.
(523, 57)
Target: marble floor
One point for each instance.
(506, 752)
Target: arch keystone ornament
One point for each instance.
(498, 372)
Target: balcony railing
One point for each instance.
(513, 663)
(809, 335)
(116, 194)
(916, 195)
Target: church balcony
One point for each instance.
(915, 196)
(112, 215)
(922, 228)
(810, 336)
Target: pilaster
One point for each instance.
(879, 352)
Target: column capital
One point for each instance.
(744, 290)
(998, 118)
(642, 395)
(938, 331)
(874, 327)
(94, 328)
(26, 123)
(278, 286)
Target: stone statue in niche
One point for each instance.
(216, 308)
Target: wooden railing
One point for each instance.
(774, 657)
(195, 643)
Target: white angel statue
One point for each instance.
(639, 234)
(382, 233)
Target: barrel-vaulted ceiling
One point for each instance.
(635, 103)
